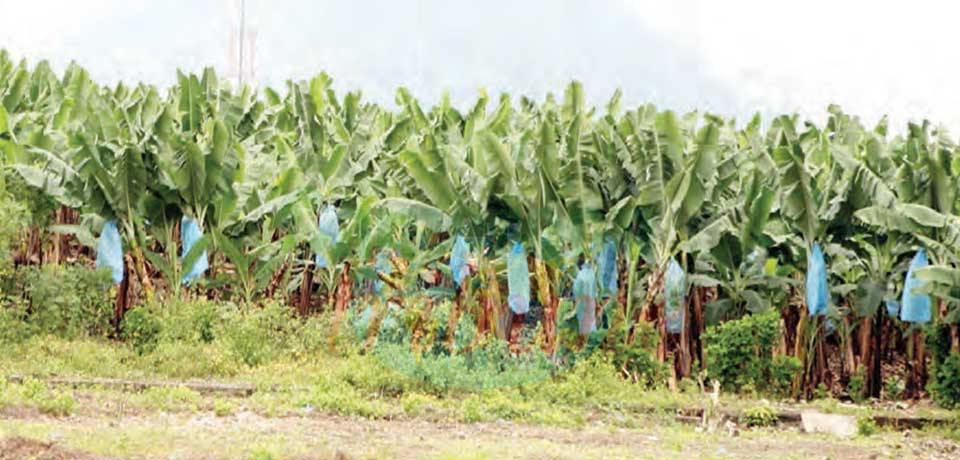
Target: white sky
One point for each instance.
(733, 57)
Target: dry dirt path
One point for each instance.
(248, 435)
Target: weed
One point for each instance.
(759, 416)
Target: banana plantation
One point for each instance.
(551, 225)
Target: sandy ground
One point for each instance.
(27, 434)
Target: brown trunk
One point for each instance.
(874, 369)
(492, 303)
(550, 303)
(121, 302)
(682, 355)
(697, 325)
(516, 326)
(306, 291)
(954, 338)
(661, 332)
(916, 366)
(344, 289)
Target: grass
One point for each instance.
(589, 397)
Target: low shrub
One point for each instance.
(68, 301)
(759, 416)
(945, 382)
(740, 353)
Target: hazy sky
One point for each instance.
(732, 57)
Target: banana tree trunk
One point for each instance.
(916, 366)
(121, 300)
(344, 291)
(306, 291)
(550, 303)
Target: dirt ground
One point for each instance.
(243, 435)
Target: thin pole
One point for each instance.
(243, 17)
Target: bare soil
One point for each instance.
(204, 436)
(16, 447)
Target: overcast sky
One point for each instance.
(732, 57)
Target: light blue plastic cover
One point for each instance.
(893, 307)
(361, 324)
(674, 292)
(110, 251)
(330, 226)
(382, 265)
(190, 233)
(915, 307)
(585, 297)
(458, 260)
(817, 293)
(608, 268)
(518, 280)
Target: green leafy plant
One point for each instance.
(759, 416)
(740, 352)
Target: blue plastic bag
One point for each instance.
(893, 307)
(817, 293)
(915, 307)
(608, 268)
(585, 297)
(330, 226)
(190, 233)
(110, 251)
(382, 265)
(458, 260)
(518, 280)
(361, 324)
(674, 292)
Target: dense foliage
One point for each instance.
(332, 203)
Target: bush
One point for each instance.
(490, 365)
(759, 416)
(867, 426)
(945, 385)
(739, 353)
(255, 335)
(141, 328)
(64, 300)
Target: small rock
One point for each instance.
(844, 426)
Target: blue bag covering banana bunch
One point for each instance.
(915, 307)
(518, 280)
(330, 226)
(674, 292)
(585, 298)
(110, 251)
(817, 294)
(191, 233)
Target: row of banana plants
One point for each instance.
(550, 211)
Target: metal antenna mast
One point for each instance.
(243, 18)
